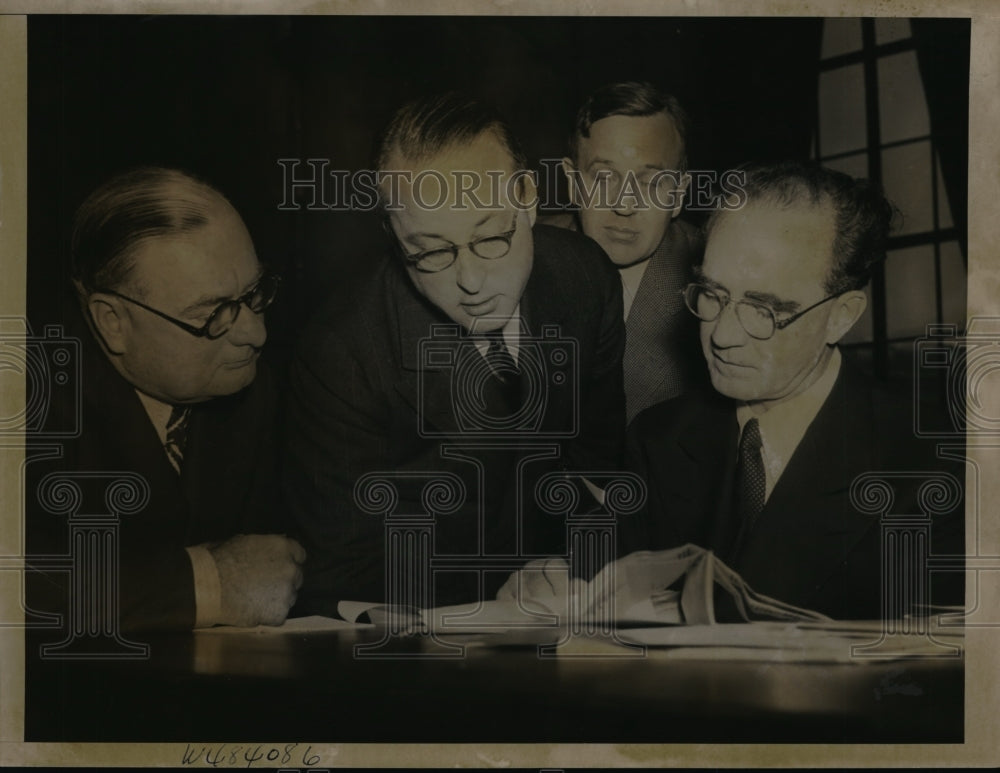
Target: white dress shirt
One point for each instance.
(631, 279)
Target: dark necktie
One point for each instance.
(750, 482)
(504, 368)
(177, 426)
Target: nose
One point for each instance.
(728, 332)
(623, 202)
(248, 329)
(470, 272)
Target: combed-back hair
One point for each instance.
(423, 128)
(134, 206)
(632, 98)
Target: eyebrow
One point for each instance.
(768, 299)
(479, 223)
(772, 300)
(211, 302)
(608, 162)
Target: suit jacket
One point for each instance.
(227, 485)
(662, 356)
(810, 546)
(366, 398)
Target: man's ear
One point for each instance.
(110, 321)
(571, 177)
(528, 196)
(847, 310)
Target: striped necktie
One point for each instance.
(176, 440)
(504, 367)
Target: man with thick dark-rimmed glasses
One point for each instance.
(173, 390)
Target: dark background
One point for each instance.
(226, 97)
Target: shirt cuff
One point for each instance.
(207, 587)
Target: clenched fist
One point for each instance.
(260, 575)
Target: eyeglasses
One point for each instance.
(758, 320)
(223, 317)
(440, 258)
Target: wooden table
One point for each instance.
(313, 687)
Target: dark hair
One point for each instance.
(633, 98)
(425, 127)
(862, 214)
(134, 206)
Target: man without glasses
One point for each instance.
(626, 165)
(377, 389)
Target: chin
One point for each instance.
(733, 388)
(238, 380)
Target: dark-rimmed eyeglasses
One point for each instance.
(223, 317)
(440, 258)
(758, 320)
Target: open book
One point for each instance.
(667, 587)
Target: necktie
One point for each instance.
(503, 366)
(750, 481)
(177, 426)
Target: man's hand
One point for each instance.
(545, 580)
(260, 575)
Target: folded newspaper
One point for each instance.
(666, 587)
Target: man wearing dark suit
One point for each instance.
(761, 472)
(481, 351)
(627, 158)
(173, 391)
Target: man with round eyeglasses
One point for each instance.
(760, 471)
(481, 352)
(172, 297)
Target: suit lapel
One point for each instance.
(702, 475)
(808, 526)
(650, 370)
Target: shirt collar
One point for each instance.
(783, 425)
(158, 412)
(511, 335)
(631, 279)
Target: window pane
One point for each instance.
(888, 30)
(906, 175)
(944, 209)
(862, 332)
(910, 293)
(842, 110)
(954, 279)
(840, 36)
(902, 107)
(855, 165)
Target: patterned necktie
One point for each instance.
(750, 479)
(177, 427)
(504, 368)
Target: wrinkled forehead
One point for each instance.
(633, 140)
(763, 245)
(218, 246)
